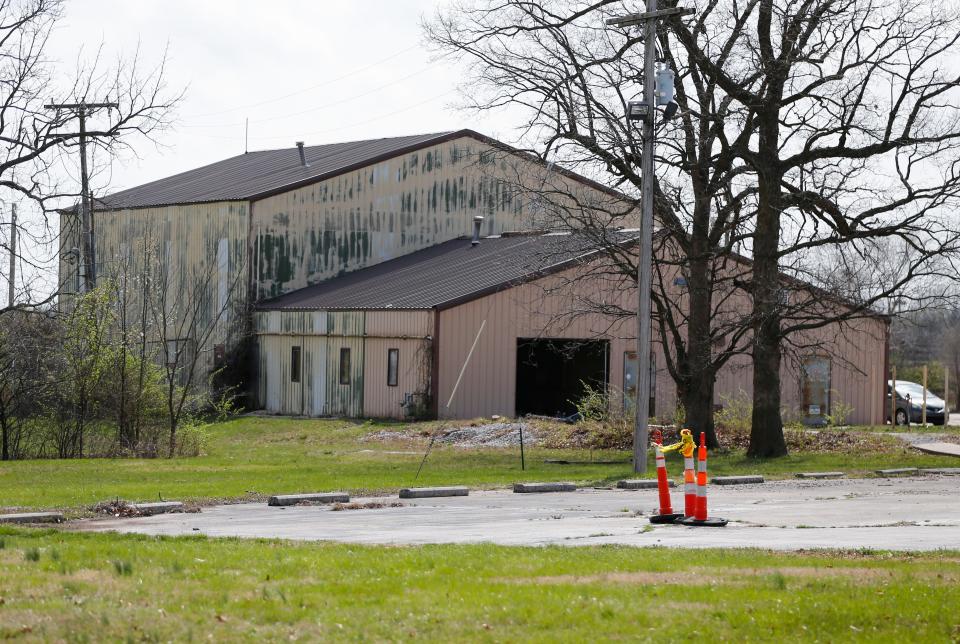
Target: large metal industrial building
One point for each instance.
(371, 296)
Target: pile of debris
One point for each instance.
(117, 508)
(496, 434)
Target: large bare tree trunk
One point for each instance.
(697, 394)
(766, 432)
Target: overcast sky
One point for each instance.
(317, 71)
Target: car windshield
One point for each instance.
(914, 390)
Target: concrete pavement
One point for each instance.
(916, 513)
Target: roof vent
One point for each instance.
(303, 156)
(477, 222)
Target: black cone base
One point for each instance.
(665, 518)
(709, 522)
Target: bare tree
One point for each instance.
(810, 135)
(571, 78)
(26, 341)
(854, 128)
(189, 307)
(36, 142)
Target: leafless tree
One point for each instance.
(36, 143)
(189, 307)
(854, 132)
(813, 138)
(570, 77)
(26, 339)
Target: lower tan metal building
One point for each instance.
(465, 330)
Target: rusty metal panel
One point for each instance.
(202, 246)
(345, 323)
(315, 375)
(385, 210)
(344, 398)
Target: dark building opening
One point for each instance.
(552, 374)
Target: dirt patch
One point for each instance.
(712, 576)
(371, 505)
(643, 578)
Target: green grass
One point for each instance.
(108, 587)
(254, 456)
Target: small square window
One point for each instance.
(345, 366)
(295, 366)
(393, 363)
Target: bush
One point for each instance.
(191, 439)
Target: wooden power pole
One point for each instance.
(647, 115)
(88, 259)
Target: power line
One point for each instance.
(337, 129)
(318, 108)
(307, 89)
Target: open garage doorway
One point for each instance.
(551, 374)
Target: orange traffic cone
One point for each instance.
(700, 517)
(666, 514)
(689, 485)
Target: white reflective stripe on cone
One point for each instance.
(689, 488)
(688, 462)
(702, 490)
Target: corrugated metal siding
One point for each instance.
(203, 242)
(489, 382)
(413, 375)
(399, 324)
(320, 335)
(380, 212)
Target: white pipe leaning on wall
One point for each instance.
(465, 363)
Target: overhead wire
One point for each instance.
(306, 89)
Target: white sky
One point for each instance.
(318, 71)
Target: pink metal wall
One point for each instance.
(488, 385)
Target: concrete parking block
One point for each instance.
(318, 497)
(529, 488)
(820, 475)
(162, 507)
(640, 484)
(737, 480)
(949, 471)
(899, 471)
(938, 449)
(432, 492)
(32, 517)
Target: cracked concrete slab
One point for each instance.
(894, 514)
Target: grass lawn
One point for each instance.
(87, 587)
(254, 456)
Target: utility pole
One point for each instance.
(646, 113)
(12, 275)
(88, 259)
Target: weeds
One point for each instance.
(32, 554)
(122, 567)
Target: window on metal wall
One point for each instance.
(345, 366)
(295, 366)
(393, 362)
(815, 389)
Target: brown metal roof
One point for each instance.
(257, 174)
(260, 174)
(442, 275)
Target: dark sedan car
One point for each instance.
(910, 404)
